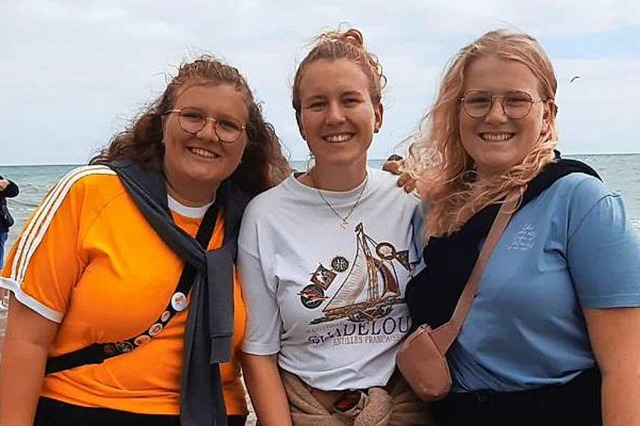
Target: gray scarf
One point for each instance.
(207, 338)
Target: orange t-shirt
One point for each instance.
(88, 259)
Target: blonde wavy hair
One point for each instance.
(445, 172)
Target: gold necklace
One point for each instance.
(344, 220)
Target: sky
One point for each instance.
(74, 73)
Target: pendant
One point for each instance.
(344, 223)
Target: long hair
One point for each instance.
(334, 45)
(262, 165)
(445, 172)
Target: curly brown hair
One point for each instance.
(446, 173)
(263, 164)
(347, 44)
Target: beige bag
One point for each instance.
(421, 357)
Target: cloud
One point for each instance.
(74, 72)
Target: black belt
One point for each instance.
(52, 412)
(578, 400)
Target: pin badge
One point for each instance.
(179, 301)
(155, 329)
(141, 339)
(109, 349)
(124, 347)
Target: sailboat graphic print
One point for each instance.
(370, 288)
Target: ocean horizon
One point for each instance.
(620, 172)
(304, 161)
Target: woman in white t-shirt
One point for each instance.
(325, 257)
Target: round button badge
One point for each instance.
(141, 339)
(179, 301)
(124, 347)
(155, 329)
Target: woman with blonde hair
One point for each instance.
(553, 334)
(324, 259)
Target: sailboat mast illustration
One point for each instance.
(368, 272)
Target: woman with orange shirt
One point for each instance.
(118, 315)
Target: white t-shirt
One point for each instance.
(328, 299)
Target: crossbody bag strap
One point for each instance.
(97, 353)
(445, 335)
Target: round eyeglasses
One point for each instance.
(515, 105)
(193, 121)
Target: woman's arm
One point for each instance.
(615, 338)
(259, 353)
(26, 346)
(266, 390)
(603, 255)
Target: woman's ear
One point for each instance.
(548, 114)
(300, 126)
(163, 122)
(378, 112)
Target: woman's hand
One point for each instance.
(395, 165)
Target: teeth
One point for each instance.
(338, 138)
(202, 152)
(496, 137)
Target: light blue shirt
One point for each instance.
(570, 248)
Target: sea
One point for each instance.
(620, 172)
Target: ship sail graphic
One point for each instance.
(370, 288)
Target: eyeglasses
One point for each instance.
(193, 121)
(477, 103)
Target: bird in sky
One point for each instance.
(574, 78)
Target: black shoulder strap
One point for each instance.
(450, 260)
(99, 352)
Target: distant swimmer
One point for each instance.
(574, 78)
